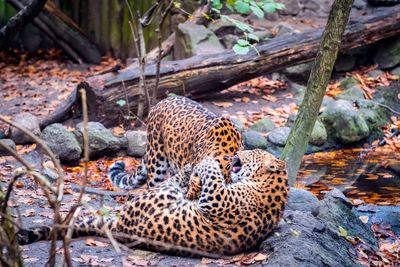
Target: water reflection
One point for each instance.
(373, 176)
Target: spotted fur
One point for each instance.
(227, 219)
(180, 132)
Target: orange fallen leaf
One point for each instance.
(222, 104)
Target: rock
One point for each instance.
(193, 40)
(229, 40)
(263, 125)
(335, 210)
(319, 135)
(50, 174)
(375, 115)
(292, 7)
(375, 73)
(101, 139)
(344, 63)
(8, 142)
(222, 28)
(344, 122)
(304, 238)
(352, 94)
(62, 142)
(360, 4)
(298, 91)
(29, 122)
(311, 5)
(299, 73)
(136, 143)
(291, 119)
(348, 82)
(278, 136)
(395, 71)
(388, 54)
(263, 35)
(282, 29)
(302, 200)
(327, 100)
(253, 139)
(238, 124)
(2, 134)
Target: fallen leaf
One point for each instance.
(95, 243)
(222, 104)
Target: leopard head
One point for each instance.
(256, 165)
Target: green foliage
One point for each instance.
(121, 102)
(245, 7)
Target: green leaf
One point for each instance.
(279, 6)
(257, 11)
(172, 94)
(342, 232)
(253, 37)
(243, 42)
(230, 7)
(104, 212)
(216, 4)
(242, 7)
(241, 50)
(121, 102)
(269, 7)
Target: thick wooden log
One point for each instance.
(200, 75)
(64, 32)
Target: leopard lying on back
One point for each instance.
(180, 132)
(227, 219)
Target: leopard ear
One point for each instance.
(275, 165)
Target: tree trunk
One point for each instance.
(201, 75)
(19, 21)
(317, 84)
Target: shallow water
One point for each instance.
(372, 176)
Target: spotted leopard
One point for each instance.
(227, 219)
(180, 132)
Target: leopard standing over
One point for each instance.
(180, 132)
(227, 218)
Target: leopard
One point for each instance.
(180, 132)
(227, 219)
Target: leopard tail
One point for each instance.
(127, 181)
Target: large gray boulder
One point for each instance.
(62, 142)
(302, 200)
(253, 139)
(278, 136)
(101, 139)
(299, 73)
(136, 143)
(344, 122)
(263, 125)
(8, 142)
(319, 135)
(388, 54)
(193, 40)
(348, 82)
(239, 125)
(29, 122)
(310, 238)
(344, 63)
(353, 93)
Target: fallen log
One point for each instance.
(201, 75)
(64, 32)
